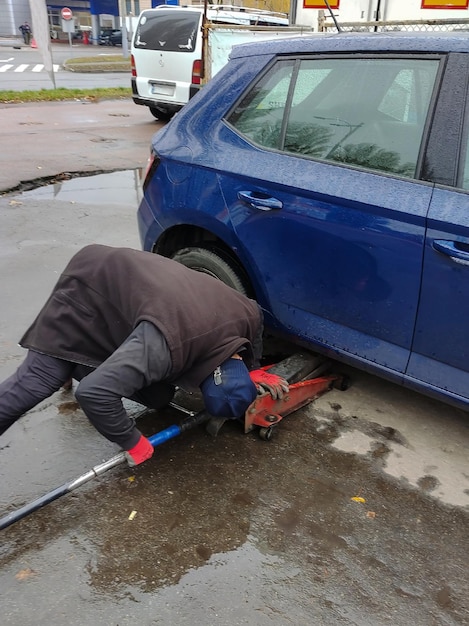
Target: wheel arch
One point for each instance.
(184, 236)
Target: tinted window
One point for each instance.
(364, 112)
(168, 30)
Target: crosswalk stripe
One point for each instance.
(39, 67)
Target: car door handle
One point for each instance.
(450, 248)
(259, 200)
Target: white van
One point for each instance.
(167, 51)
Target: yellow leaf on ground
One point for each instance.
(24, 574)
(358, 499)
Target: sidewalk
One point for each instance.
(12, 42)
(18, 43)
(101, 58)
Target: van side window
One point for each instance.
(164, 30)
(365, 112)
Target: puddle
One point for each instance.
(122, 187)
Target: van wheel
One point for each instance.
(210, 263)
(161, 113)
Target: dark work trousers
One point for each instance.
(136, 370)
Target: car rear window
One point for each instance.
(171, 31)
(367, 112)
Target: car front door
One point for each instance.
(336, 250)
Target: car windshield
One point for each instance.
(171, 31)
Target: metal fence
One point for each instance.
(405, 26)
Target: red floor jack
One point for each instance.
(304, 372)
(306, 375)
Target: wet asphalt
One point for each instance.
(355, 513)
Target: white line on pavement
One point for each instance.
(39, 67)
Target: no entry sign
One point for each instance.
(66, 13)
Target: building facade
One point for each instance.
(86, 14)
(387, 10)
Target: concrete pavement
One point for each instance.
(227, 531)
(41, 140)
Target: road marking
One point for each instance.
(39, 67)
(6, 60)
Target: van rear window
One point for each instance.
(168, 30)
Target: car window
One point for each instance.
(361, 111)
(171, 31)
(401, 100)
(259, 115)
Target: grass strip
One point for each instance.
(61, 94)
(101, 63)
(101, 58)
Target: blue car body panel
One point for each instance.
(337, 271)
(370, 267)
(440, 355)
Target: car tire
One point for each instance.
(210, 263)
(161, 113)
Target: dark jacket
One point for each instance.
(105, 292)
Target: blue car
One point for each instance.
(328, 178)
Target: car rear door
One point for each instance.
(440, 351)
(337, 250)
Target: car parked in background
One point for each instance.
(110, 37)
(115, 38)
(328, 177)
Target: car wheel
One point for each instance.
(160, 113)
(210, 263)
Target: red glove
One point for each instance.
(142, 451)
(275, 385)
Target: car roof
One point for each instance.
(358, 42)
